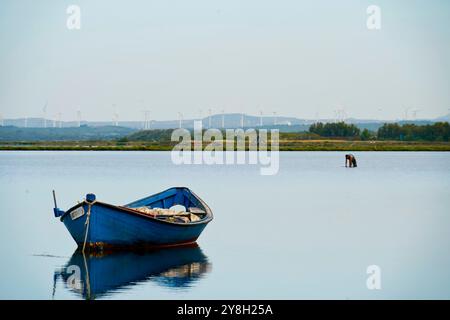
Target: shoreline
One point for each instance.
(285, 145)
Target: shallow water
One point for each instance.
(310, 231)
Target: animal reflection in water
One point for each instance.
(94, 275)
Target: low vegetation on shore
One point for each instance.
(320, 137)
(285, 145)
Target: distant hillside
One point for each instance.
(11, 133)
(445, 118)
(227, 120)
(230, 120)
(374, 126)
(150, 135)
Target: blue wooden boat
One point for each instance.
(94, 224)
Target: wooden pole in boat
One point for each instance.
(54, 199)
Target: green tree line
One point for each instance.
(335, 129)
(439, 131)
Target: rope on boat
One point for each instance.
(86, 225)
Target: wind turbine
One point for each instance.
(44, 111)
(59, 119)
(415, 113)
(379, 111)
(209, 118)
(200, 115)
(343, 114)
(223, 119)
(260, 118)
(339, 115)
(406, 113)
(275, 118)
(146, 119)
(242, 120)
(115, 115)
(180, 120)
(79, 118)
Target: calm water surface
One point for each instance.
(308, 232)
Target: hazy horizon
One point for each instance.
(301, 59)
(218, 115)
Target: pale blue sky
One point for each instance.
(299, 58)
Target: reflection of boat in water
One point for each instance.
(93, 275)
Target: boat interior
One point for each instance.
(173, 205)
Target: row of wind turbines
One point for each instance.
(222, 114)
(339, 115)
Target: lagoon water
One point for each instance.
(311, 231)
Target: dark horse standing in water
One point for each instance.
(351, 160)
